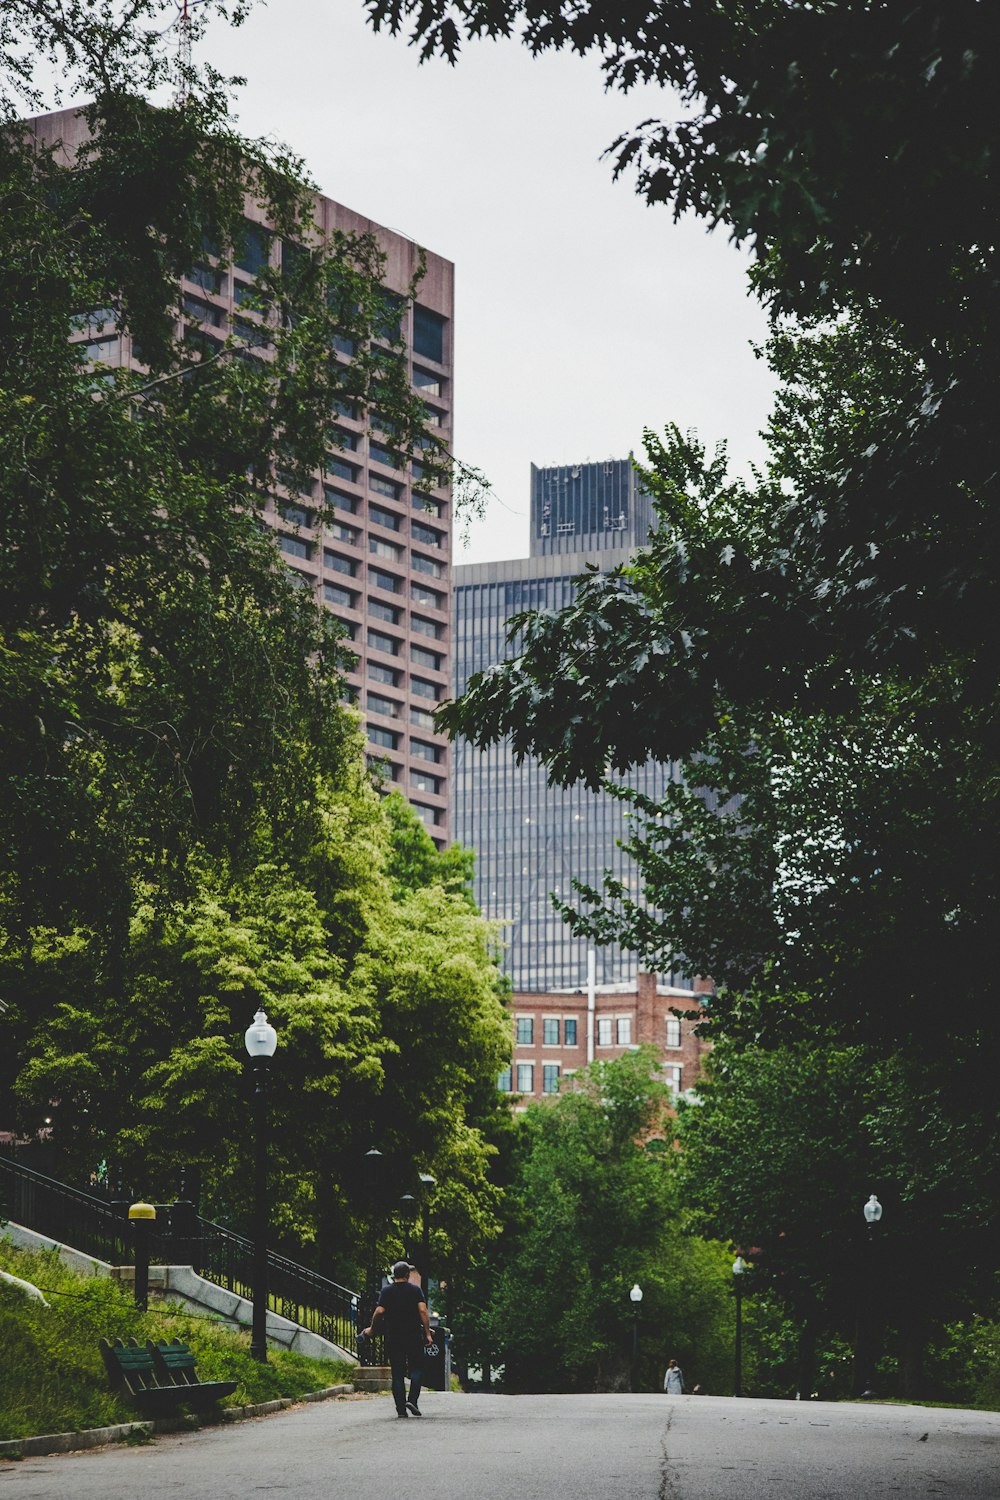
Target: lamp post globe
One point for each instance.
(872, 1210)
(260, 1040)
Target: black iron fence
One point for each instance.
(97, 1225)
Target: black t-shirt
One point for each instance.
(400, 1302)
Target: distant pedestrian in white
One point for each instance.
(673, 1380)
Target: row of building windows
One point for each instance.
(551, 1073)
(612, 1031)
(342, 500)
(526, 1079)
(392, 739)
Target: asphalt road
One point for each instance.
(645, 1447)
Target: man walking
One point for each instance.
(407, 1327)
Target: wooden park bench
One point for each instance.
(158, 1384)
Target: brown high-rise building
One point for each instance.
(374, 552)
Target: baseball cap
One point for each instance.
(400, 1269)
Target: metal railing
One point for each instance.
(99, 1226)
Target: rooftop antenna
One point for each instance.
(184, 9)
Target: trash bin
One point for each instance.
(437, 1360)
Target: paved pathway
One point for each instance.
(645, 1447)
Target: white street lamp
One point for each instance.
(261, 1039)
(873, 1210)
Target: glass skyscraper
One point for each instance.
(532, 839)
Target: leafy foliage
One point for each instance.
(188, 829)
(594, 1209)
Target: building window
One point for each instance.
(383, 455)
(505, 1081)
(294, 546)
(296, 515)
(550, 1078)
(673, 1031)
(525, 1031)
(384, 737)
(525, 1078)
(427, 381)
(339, 500)
(340, 438)
(379, 673)
(387, 581)
(424, 658)
(253, 252)
(421, 688)
(382, 642)
(383, 517)
(424, 751)
(335, 595)
(387, 706)
(427, 815)
(427, 565)
(623, 1029)
(383, 486)
(426, 534)
(672, 1077)
(421, 719)
(428, 334)
(569, 1032)
(424, 783)
(550, 1031)
(384, 612)
(430, 597)
(421, 501)
(384, 549)
(342, 469)
(424, 627)
(338, 564)
(605, 1031)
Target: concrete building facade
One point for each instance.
(372, 550)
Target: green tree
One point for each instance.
(778, 1155)
(593, 1210)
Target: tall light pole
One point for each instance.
(261, 1039)
(867, 1355)
(635, 1297)
(427, 1184)
(739, 1267)
(408, 1209)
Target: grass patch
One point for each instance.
(52, 1378)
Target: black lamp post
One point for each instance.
(739, 1267)
(428, 1184)
(635, 1297)
(408, 1210)
(867, 1354)
(373, 1163)
(261, 1040)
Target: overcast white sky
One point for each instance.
(582, 315)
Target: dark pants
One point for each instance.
(403, 1357)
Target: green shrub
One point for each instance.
(52, 1377)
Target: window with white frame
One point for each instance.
(605, 1031)
(673, 1031)
(672, 1076)
(525, 1078)
(550, 1078)
(623, 1031)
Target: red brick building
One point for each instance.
(556, 1034)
